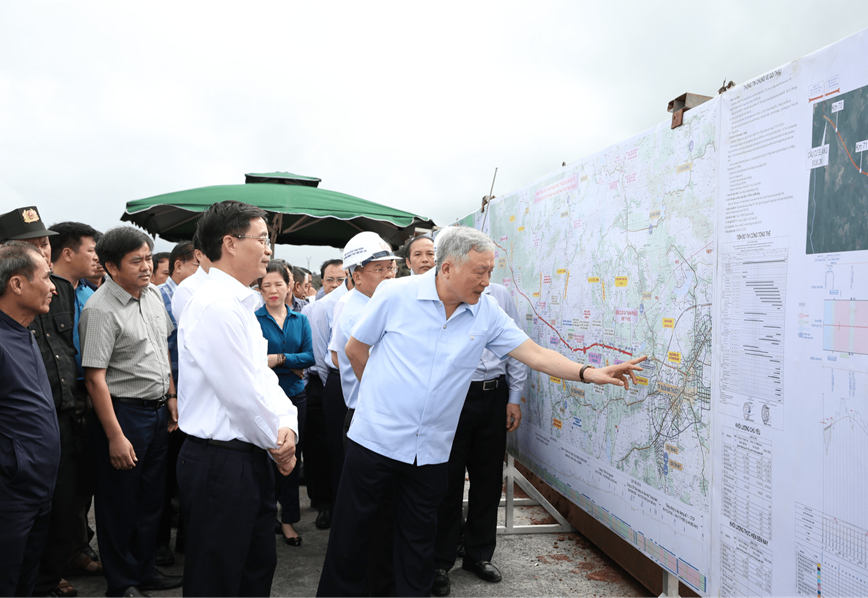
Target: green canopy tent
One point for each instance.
(300, 213)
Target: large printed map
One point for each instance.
(609, 258)
(739, 464)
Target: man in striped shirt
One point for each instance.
(128, 375)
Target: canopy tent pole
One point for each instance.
(274, 229)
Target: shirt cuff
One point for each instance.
(290, 422)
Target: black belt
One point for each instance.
(233, 445)
(152, 403)
(487, 384)
(334, 371)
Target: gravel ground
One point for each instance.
(531, 564)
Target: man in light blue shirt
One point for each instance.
(182, 265)
(317, 461)
(491, 409)
(415, 350)
(367, 273)
(320, 314)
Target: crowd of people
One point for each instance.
(216, 384)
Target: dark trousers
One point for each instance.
(317, 470)
(64, 527)
(287, 486)
(227, 501)
(22, 540)
(335, 410)
(366, 480)
(479, 445)
(83, 468)
(164, 531)
(348, 419)
(129, 503)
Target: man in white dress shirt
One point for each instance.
(188, 287)
(234, 413)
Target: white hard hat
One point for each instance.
(366, 247)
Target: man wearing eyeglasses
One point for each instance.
(332, 275)
(236, 417)
(369, 269)
(368, 272)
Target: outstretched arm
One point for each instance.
(555, 364)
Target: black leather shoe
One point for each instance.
(165, 558)
(441, 585)
(324, 519)
(484, 571)
(161, 581)
(294, 541)
(133, 592)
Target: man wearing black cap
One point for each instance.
(24, 224)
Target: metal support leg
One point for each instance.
(670, 585)
(513, 476)
(510, 492)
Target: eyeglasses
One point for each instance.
(382, 271)
(334, 280)
(262, 240)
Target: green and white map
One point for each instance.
(838, 188)
(612, 258)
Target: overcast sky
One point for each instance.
(408, 104)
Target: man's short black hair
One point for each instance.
(17, 258)
(69, 234)
(413, 240)
(118, 242)
(221, 219)
(159, 257)
(326, 264)
(182, 251)
(298, 274)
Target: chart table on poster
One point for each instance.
(747, 481)
(754, 289)
(746, 566)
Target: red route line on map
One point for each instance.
(844, 145)
(582, 349)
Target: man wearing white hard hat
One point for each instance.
(370, 267)
(366, 253)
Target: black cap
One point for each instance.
(23, 223)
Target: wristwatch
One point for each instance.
(582, 373)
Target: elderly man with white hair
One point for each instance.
(415, 350)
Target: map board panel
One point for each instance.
(731, 251)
